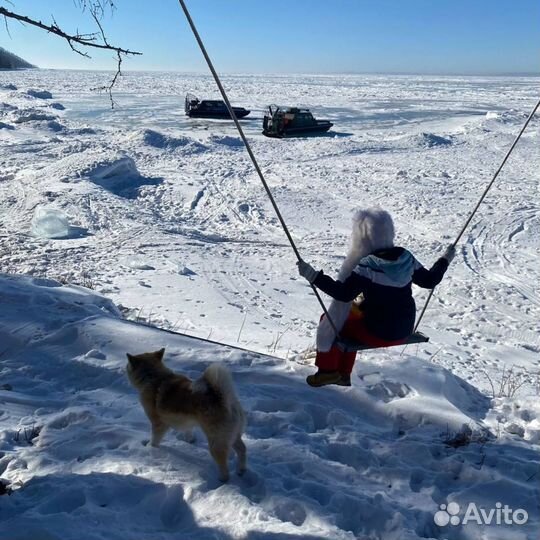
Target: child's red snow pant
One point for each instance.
(354, 328)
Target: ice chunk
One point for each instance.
(40, 94)
(53, 125)
(185, 271)
(515, 429)
(50, 223)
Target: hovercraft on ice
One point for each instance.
(211, 108)
(292, 121)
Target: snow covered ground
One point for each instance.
(373, 461)
(168, 221)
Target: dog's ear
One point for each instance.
(160, 353)
(130, 358)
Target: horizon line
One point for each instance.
(328, 73)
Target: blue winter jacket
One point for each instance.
(384, 278)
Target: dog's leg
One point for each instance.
(220, 453)
(240, 449)
(158, 432)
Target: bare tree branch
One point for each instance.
(87, 40)
(96, 40)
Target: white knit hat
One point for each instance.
(372, 229)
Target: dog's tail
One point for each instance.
(219, 378)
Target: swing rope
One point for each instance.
(250, 152)
(469, 219)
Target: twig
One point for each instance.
(279, 335)
(490, 380)
(109, 88)
(241, 328)
(510, 382)
(97, 5)
(7, 27)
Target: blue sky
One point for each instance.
(324, 36)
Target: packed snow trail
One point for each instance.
(372, 461)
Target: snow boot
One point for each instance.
(322, 378)
(344, 380)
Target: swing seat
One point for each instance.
(349, 345)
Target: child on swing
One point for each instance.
(383, 274)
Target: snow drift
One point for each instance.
(374, 461)
(168, 142)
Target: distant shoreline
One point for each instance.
(18, 68)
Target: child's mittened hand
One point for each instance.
(450, 253)
(307, 271)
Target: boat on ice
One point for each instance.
(292, 121)
(210, 108)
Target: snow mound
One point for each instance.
(96, 166)
(119, 175)
(226, 140)
(160, 140)
(3, 125)
(33, 116)
(431, 140)
(40, 94)
(50, 223)
(84, 131)
(57, 106)
(53, 125)
(511, 116)
(113, 171)
(373, 461)
(8, 107)
(109, 169)
(8, 87)
(51, 306)
(138, 265)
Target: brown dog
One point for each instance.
(171, 400)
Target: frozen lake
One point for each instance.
(167, 221)
(183, 199)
